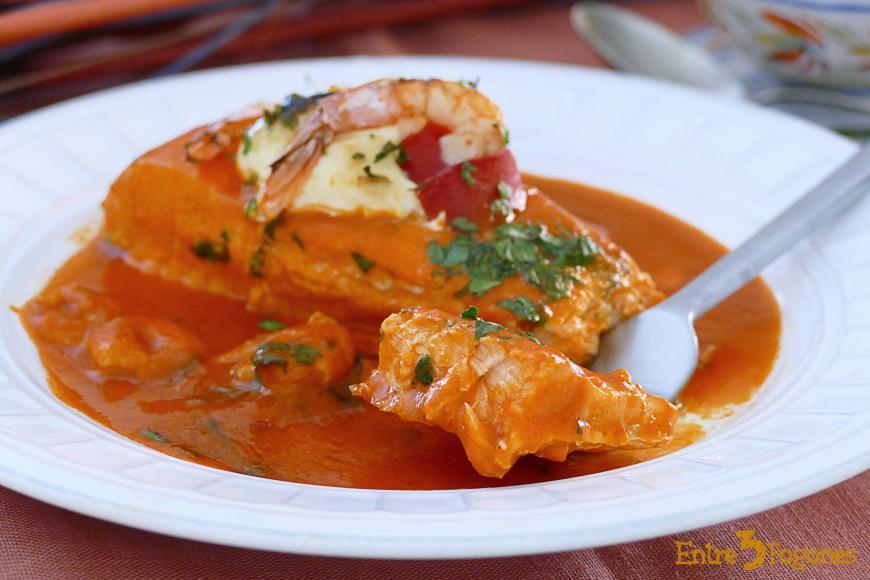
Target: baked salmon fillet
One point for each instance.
(504, 395)
(364, 201)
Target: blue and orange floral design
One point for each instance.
(806, 39)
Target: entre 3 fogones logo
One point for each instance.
(753, 553)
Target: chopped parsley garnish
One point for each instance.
(502, 204)
(364, 263)
(469, 83)
(304, 354)
(214, 252)
(153, 435)
(288, 111)
(435, 252)
(358, 156)
(469, 313)
(531, 337)
(271, 325)
(388, 148)
(465, 171)
(255, 267)
(482, 328)
(478, 286)
(251, 207)
(505, 134)
(294, 235)
(246, 143)
(368, 171)
(269, 228)
(272, 353)
(423, 371)
(523, 308)
(544, 260)
(463, 224)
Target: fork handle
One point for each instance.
(839, 191)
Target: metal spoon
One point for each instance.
(659, 347)
(631, 42)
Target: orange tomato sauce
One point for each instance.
(331, 438)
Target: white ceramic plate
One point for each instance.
(723, 166)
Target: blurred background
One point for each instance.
(809, 57)
(53, 50)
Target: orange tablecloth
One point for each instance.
(40, 541)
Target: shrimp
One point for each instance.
(141, 347)
(318, 352)
(64, 315)
(282, 147)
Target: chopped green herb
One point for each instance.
(505, 135)
(358, 156)
(388, 148)
(435, 252)
(482, 328)
(500, 206)
(255, 267)
(531, 337)
(271, 325)
(272, 115)
(526, 250)
(423, 371)
(251, 207)
(294, 235)
(271, 353)
(364, 263)
(153, 435)
(478, 286)
(523, 308)
(213, 252)
(465, 171)
(246, 143)
(288, 112)
(470, 313)
(269, 228)
(368, 171)
(469, 83)
(305, 354)
(463, 224)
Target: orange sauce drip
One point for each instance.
(348, 443)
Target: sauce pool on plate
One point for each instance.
(325, 435)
